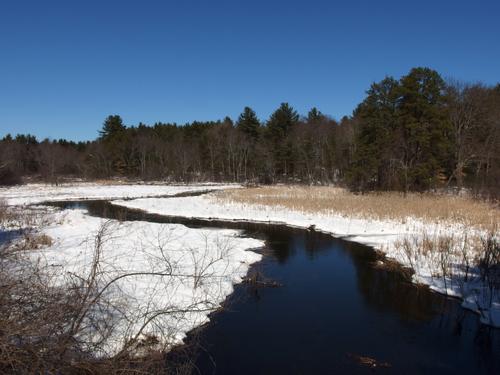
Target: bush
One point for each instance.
(8, 177)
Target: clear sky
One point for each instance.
(66, 65)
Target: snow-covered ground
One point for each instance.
(184, 274)
(192, 271)
(189, 271)
(381, 235)
(37, 193)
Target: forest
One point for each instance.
(416, 133)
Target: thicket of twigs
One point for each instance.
(465, 263)
(49, 327)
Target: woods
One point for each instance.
(415, 133)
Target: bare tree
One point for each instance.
(465, 106)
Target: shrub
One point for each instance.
(8, 177)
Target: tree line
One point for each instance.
(415, 133)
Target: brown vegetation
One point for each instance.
(49, 325)
(457, 259)
(381, 205)
(453, 259)
(368, 361)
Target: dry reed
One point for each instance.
(381, 205)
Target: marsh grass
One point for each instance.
(428, 207)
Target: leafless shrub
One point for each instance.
(445, 249)
(412, 250)
(41, 320)
(257, 279)
(32, 240)
(49, 326)
(24, 226)
(426, 250)
(368, 361)
(457, 260)
(489, 262)
(466, 256)
(204, 263)
(3, 211)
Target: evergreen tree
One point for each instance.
(115, 140)
(315, 116)
(279, 126)
(424, 128)
(113, 125)
(403, 137)
(377, 116)
(248, 123)
(282, 120)
(228, 121)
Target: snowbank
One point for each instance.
(195, 270)
(37, 193)
(381, 235)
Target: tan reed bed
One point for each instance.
(428, 207)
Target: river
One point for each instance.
(336, 311)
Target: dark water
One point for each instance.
(334, 306)
(9, 235)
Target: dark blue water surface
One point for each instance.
(334, 307)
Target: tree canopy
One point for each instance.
(416, 133)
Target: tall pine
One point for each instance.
(248, 123)
(403, 138)
(281, 121)
(424, 141)
(115, 141)
(377, 119)
(314, 116)
(279, 127)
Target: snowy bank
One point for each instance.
(380, 234)
(180, 274)
(37, 193)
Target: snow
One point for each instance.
(381, 235)
(202, 267)
(196, 269)
(38, 193)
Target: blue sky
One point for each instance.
(66, 65)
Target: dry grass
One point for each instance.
(387, 205)
(33, 241)
(5, 214)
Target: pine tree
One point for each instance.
(228, 121)
(424, 127)
(115, 140)
(377, 116)
(403, 140)
(112, 126)
(315, 116)
(282, 120)
(248, 123)
(279, 126)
